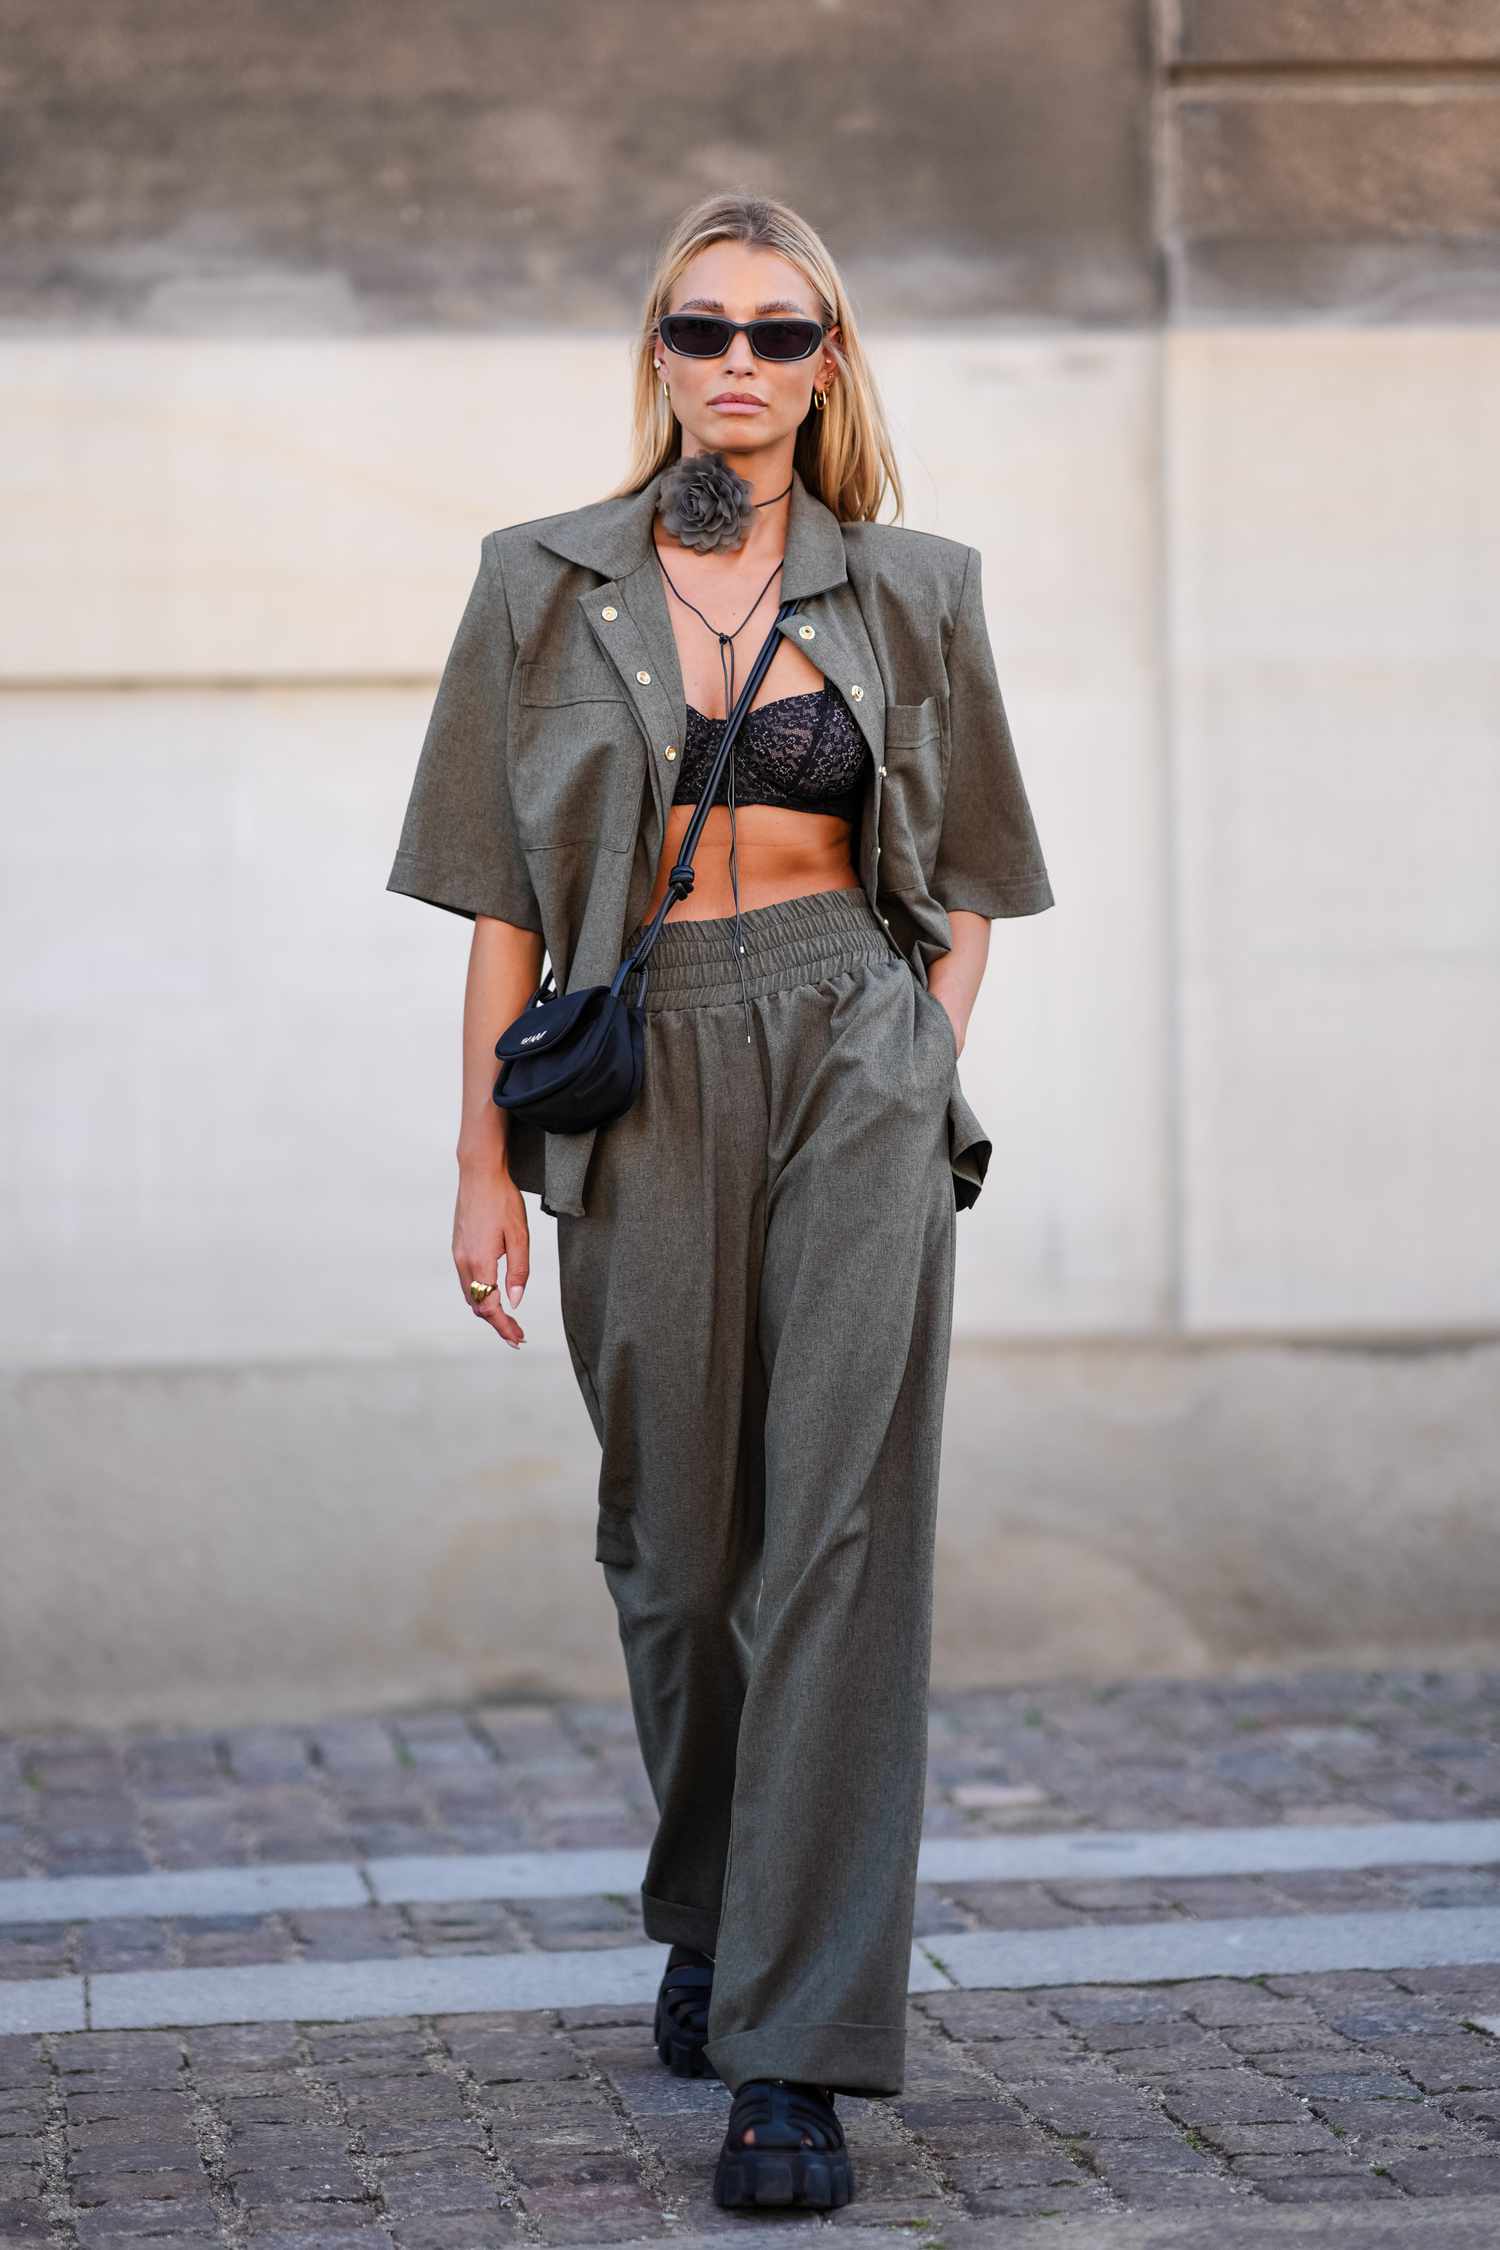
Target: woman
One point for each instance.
(756, 1259)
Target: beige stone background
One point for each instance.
(1189, 318)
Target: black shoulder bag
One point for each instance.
(574, 1060)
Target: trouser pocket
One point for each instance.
(931, 1000)
(614, 1539)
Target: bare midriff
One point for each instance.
(782, 854)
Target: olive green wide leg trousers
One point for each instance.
(758, 1307)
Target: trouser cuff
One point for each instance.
(670, 1923)
(852, 2058)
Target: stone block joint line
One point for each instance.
(1130, 1954)
(433, 1878)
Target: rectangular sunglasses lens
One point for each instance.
(696, 335)
(785, 339)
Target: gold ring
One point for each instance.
(479, 1290)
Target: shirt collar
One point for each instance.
(614, 536)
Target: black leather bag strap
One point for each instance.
(680, 879)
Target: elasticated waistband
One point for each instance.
(793, 941)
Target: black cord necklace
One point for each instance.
(725, 640)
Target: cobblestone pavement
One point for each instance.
(1200, 2100)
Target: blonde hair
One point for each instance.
(843, 453)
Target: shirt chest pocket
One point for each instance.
(577, 755)
(912, 792)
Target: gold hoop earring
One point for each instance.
(820, 400)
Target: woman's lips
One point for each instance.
(736, 405)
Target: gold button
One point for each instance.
(806, 632)
(877, 851)
(609, 611)
(857, 692)
(644, 678)
(670, 751)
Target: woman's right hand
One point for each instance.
(489, 1224)
(490, 1221)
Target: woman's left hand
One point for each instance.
(960, 1030)
(960, 970)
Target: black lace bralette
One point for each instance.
(802, 751)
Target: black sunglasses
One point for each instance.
(708, 335)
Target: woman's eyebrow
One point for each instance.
(714, 304)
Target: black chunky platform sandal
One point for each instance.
(681, 2027)
(798, 2155)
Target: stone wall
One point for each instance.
(1187, 317)
(367, 168)
(1323, 159)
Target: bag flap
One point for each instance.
(541, 1027)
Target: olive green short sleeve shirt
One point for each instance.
(545, 777)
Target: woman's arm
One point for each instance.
(489, 1222)
(955, 976)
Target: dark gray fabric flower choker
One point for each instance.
(705, 503)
